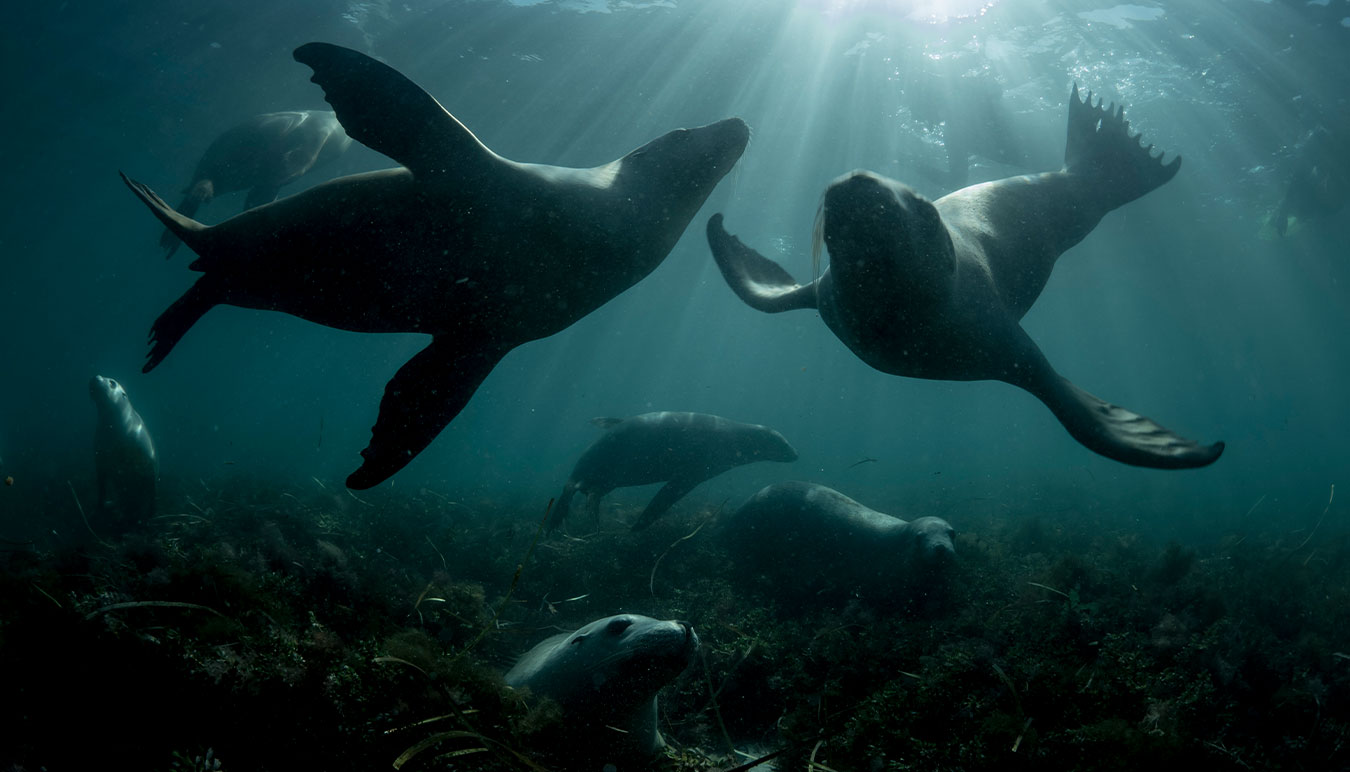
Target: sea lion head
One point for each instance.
(108, 394)
(679, 169)
(770, 445)
(931, 542)
(883, 235)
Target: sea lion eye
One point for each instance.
(617, 626)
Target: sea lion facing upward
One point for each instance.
(936, 290)
(481, 252)
(605, 677)
(684, 449)
(124, 456)
(261, 155)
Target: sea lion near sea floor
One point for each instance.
(937, 289)
(261, 155)
(124, 456)
(808, 538)
(481, 252)
(680, 449)
(605, 677)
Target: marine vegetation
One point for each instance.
(254, 626)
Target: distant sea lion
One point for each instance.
(808, 537)
(936, 290)
(605, 677)
(481, 252)
(261, 155)
(124, 456)
(682, 448)
(1320, 184)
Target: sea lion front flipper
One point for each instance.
(420, 400)
(1117, 433)
(178, 318)
(664, 499)
(757, 280)
(263, 194)
(379, 107)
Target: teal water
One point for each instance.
(1181, 306)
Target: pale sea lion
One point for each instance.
(605, 677)
(936, 290)
(481, 252)
(808, 538)
(261, 155)
(124, 456)
(680, 449)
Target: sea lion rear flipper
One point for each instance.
(757, 280)
(184, 228)
(379, 107)
(664, 499)
(422, 397)
(1119, 434)
(263, 194)
(1100, 146)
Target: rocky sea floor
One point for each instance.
(261, 627)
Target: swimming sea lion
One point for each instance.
(1320, 184)
(936, 290)
(124, 455)
(807, 537)
(261, 155)
(481, 252)
(682, 448)
(605, 677)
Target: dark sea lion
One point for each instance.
(481, 252)
(680, 449)
(261, 155)
(1320, 184)
(807, 538)
(124, 456)
(605, 677)
(936, 290)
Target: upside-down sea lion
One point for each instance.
(605, 677)
(680, 449)
(124, 456)
(481, 252)
(936, 290)
(261, 155)
(812, 537)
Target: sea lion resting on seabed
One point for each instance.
(481, 252)
(682, 448)
(808, 539)
(124, 457)
(605, 677)
(936, 290)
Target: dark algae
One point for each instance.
(269, 628)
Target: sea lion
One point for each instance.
(261, 155)
(936, 290)
(479, 251)
(681, 449)
(808, 538)
(1320, 184)
(124, 456)
(605, 677)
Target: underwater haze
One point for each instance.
(1182, 306)
(1186, 305)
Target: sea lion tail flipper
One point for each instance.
(382, 109)
(183, 228)
(1121, 435)
(1100, 146)
(664, 499)
(757, 280)
(420, 400)
(562, 507)
(178, 318)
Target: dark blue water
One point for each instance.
(1182, 306)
